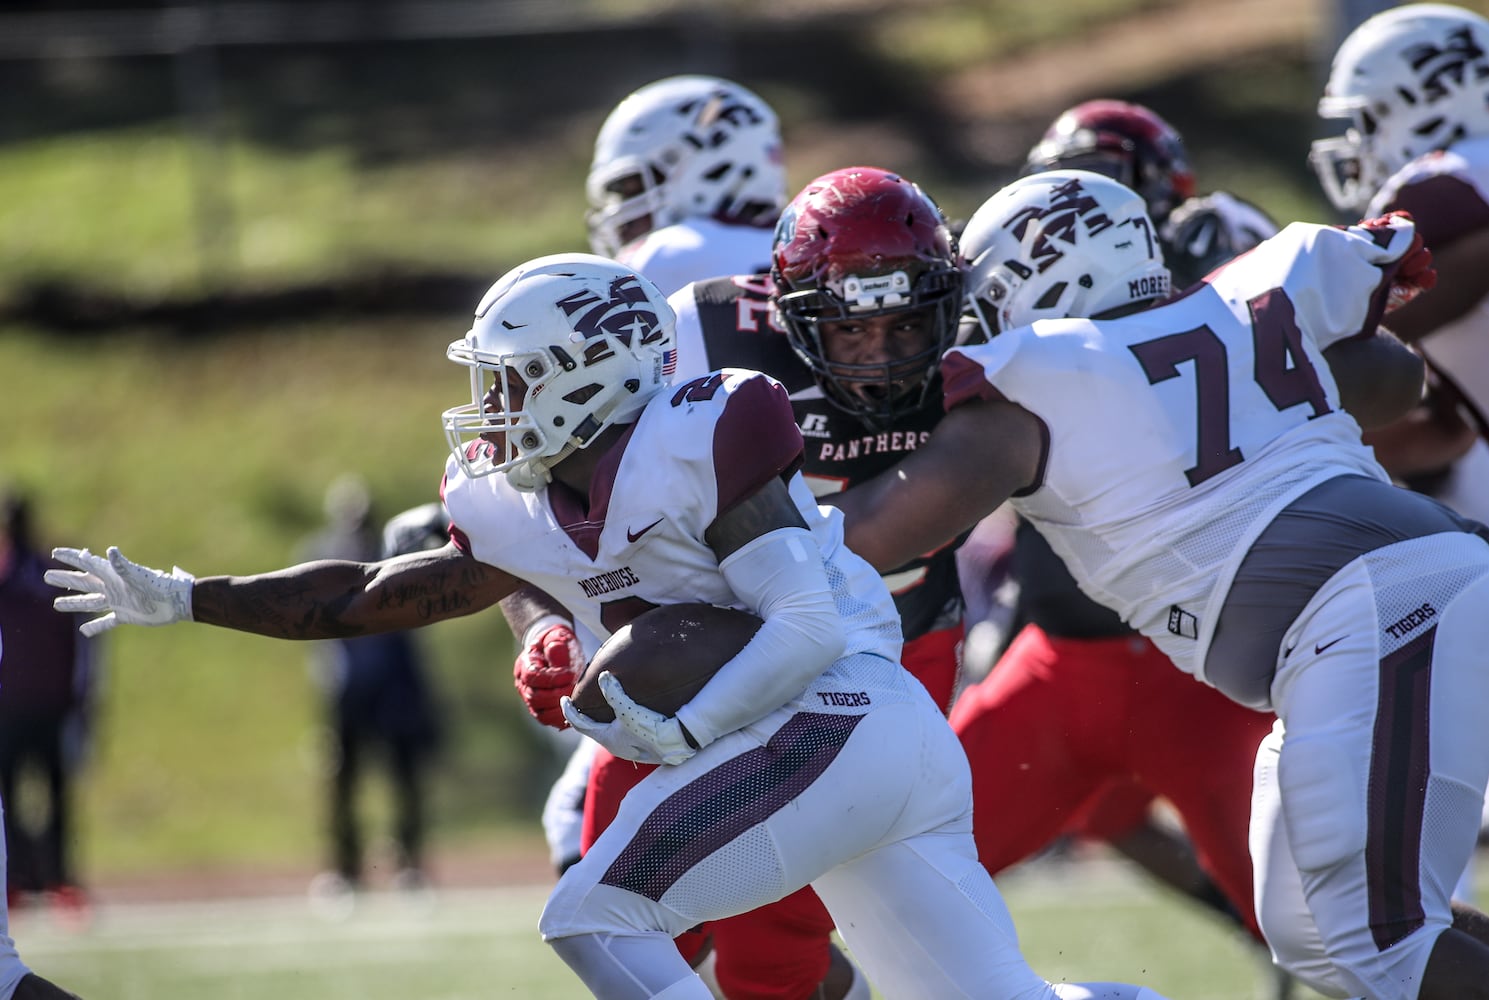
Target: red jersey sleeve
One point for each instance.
(964, 381)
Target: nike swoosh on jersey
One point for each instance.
(1320, 649)
(632, 536)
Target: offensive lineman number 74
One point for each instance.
(1282, 370)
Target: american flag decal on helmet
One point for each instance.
(669, 363)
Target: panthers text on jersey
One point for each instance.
(726, 322)
(1228, 412)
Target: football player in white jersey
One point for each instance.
(687, 181)
(16, 981)
(1197, 464)
(577, 466)
(1412, 86)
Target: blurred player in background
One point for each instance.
(46, 718)
(1197, 463)
(687, 181)
(578, 467)
(380, 710)
(16, 981)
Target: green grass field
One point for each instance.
(1082, 921)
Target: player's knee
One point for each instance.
(1323, 799)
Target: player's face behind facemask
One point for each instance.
(882, 356)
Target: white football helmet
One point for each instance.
(682, 147)
(1409, 80)
(584, 341)
(1060, 243)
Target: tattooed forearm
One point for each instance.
(333, 600)
(285, 605)
(431, 599)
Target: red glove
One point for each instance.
(1415, 273)
(547, 668)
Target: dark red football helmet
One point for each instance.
(860, 243)
(1126, 142)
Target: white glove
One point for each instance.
(126, 591)
(637, 733)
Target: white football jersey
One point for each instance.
(1176, 434)
(1447, 194)
(695, 451)
(698, 248)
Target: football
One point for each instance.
(665, 656)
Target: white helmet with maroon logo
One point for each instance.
(1408, 81)
(679, 148)
(1057, 244)
(574, 344)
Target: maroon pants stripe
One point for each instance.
(1399, 764)
(722, 804)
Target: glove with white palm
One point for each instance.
(636, 733)
(123, 591)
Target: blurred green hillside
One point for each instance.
(215, 299)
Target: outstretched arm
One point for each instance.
(977, 457)
(326, 599)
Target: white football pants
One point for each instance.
(862, 791)
(1370, 788)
